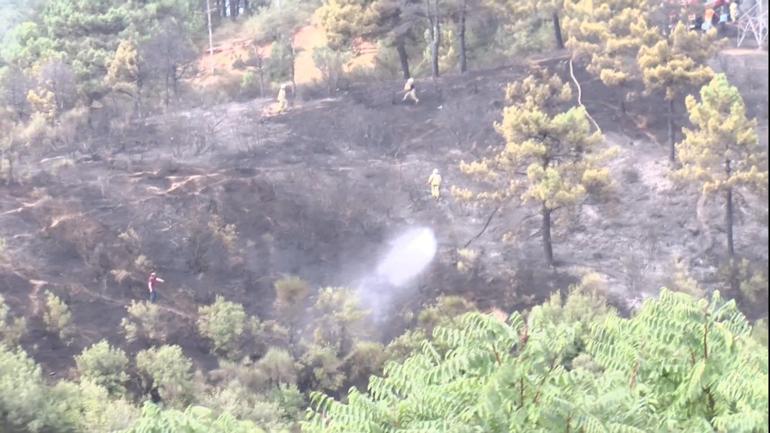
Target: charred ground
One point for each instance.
(318, 192)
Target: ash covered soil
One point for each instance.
(319, 191)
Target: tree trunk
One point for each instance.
(729, 223)
(461, 35)
(434, 30)
(234, 9)
(167, 87)
(211, 40)
(557, 30)
(293, 59)
(670, 122)
(402, 57)
(261, 81)
(175, 81)
(434, 46)
(546, 234)
(246, 7)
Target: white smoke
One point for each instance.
(409, 255)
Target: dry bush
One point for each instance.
(215, 241)
(143, 264)
(681, 280)
(131, 238)
(120, 275)
(467, 262)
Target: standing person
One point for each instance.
(410, 91)
(283, 102)
(435, 184)
(151, 282)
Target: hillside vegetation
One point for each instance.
(596, 260)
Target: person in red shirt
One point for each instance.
(151, 282)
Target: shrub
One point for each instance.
(484, 375)
(278, 367)
(223, 323)
(195, 419)
(57, 317)
(11, 329)
(339, 318)
(291, 294)
(243, 403)
(322, 369)
(144, 321)
(467, 260)
(250, 86)
(169, 370)
(98, 411)
(366, 359)
(331, 64)
(26, 403)
(443, 311)
(104, 366)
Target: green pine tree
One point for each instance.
(550, 157)
(722, 154)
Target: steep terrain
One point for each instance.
(319, 191)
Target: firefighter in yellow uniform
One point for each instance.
(435, 183)
(733, 11)
(410, 92)
(283, 103)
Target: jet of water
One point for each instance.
(409, 255)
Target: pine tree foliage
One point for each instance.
(85, 34)
(343, 21)
(680, 364)
(722, 153)
(123, 70)
(545, 9)
(676, 64)
(551, 157)
(607, 37)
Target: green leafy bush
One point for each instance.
(57, 317)
(104, 366)
(223, 323)
(169, 370)
(145, 321)
(11, 329)
(278, 367)
(195, 419)
(338, 318)
(26, 403)
(679, 364)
